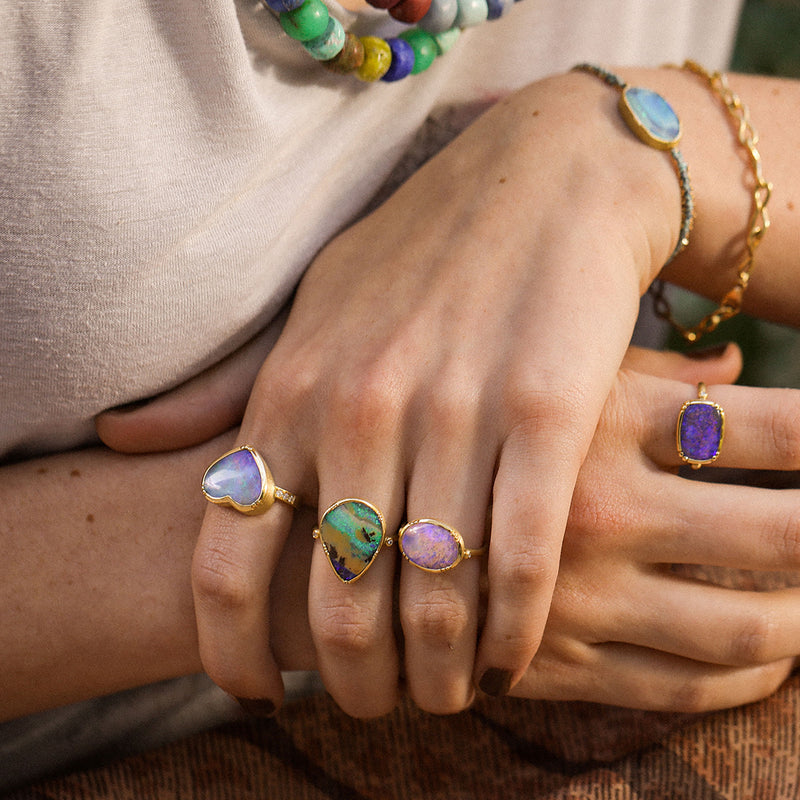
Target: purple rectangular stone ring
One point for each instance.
(700, 430)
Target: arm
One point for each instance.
(94, 579)
(424, 365)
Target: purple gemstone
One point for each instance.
(700, 431)
(235, 476)
(430, 546)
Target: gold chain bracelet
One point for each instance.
(731, 303)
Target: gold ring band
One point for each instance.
(241, 479)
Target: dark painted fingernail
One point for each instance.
(257, 707)
(495, 682)
(708, 352)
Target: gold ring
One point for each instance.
(433, 546)
(241, 479)
(700, 430)
(352, 532)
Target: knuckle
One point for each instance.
(529, 404)
(528, 573)
(785, 436)
(788, 540)
(753, 643)
(369, 403)
(216, 579)
(436, 617)
(692, 696)
(345, 629)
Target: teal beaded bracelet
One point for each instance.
(651, 118)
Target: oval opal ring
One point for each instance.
(241, 479)
(700, 430)
(352, 532)
(433, 546)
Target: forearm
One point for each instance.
(723, 182)
(95, 576)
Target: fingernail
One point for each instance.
(256, 707)
(708, 352)
(495, 682)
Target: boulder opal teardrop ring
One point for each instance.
(241, 479)
(700, 430)
(352, 532)
(433, 546)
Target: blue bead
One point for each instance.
(440, 17)
(283, 5)
(402, 60)
(498, 7)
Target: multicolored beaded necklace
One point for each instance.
(438, 24)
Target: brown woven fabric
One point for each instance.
(509, 749)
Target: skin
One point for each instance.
(422, 368)
(95, 605)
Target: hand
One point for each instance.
(637, 618)
(452, 350)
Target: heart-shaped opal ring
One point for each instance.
(241, 479)
(700, 430)
(433, 546)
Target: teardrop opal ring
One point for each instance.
(352, 532)
(241, 479)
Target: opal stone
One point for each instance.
(236, 476)
(700, 430)
(352, 533)
(402, 60)
(430, 546)
(650, 117)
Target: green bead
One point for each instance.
(424, 46)
(306, 22)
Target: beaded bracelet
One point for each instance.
(371, 58)
(731, 303)
(652, 119)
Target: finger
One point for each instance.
(350, 612)
(741, 527)
(234, 559)
(439, 610)
(527, 530)
(761, 426)
(705, 622)
(194, 412)
(718, 364)
(634, 677)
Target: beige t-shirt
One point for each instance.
(169, 168)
